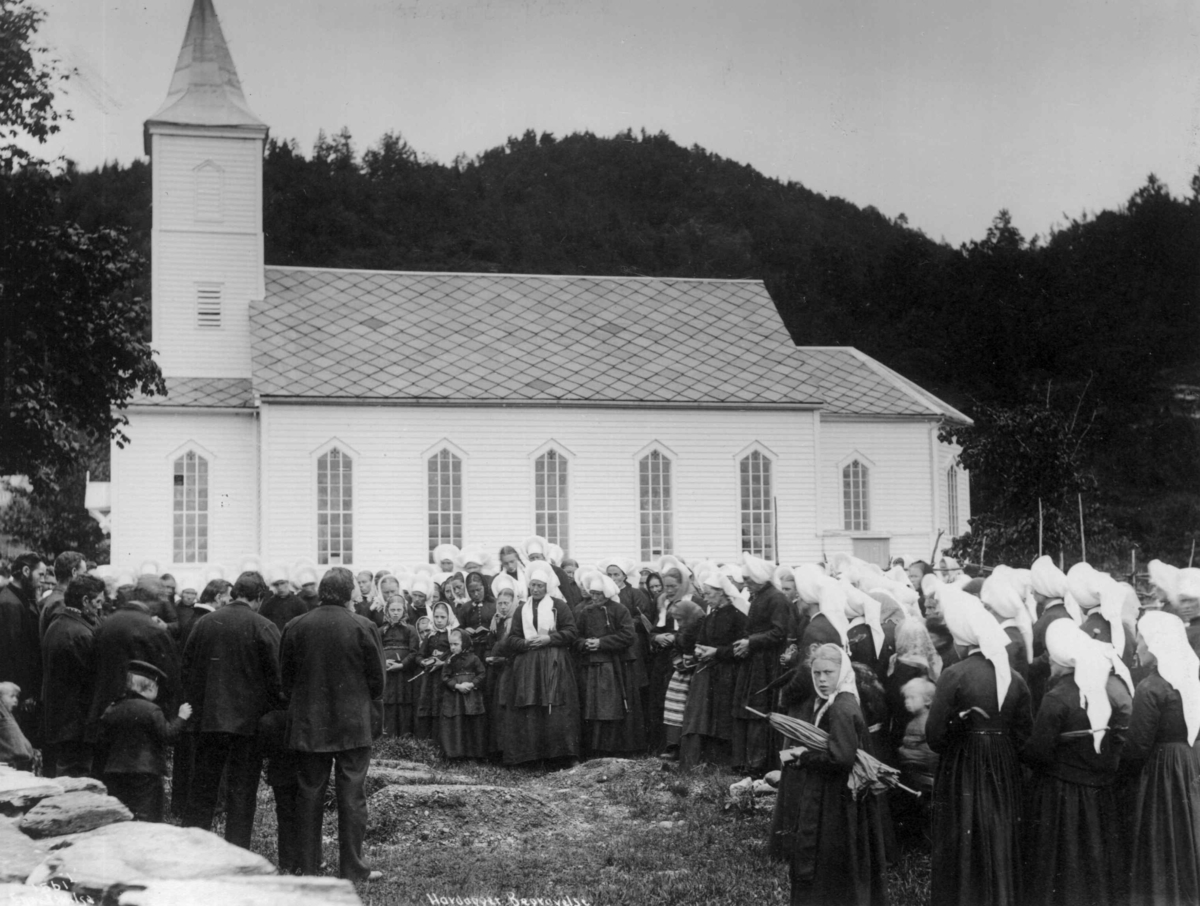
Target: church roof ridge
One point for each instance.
(205, 89)
(498, 275)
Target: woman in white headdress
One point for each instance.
(707, 733)
(508, 594)
(543, 714)
(1162, 742)
(1185, 603)
(978, 722)
(834, 840)
(446, 557)
(1001, 594)
(1090, 589)
(623, 572)
(758, 651)
(668, 684)
(1073, 846)
(610, 705)
(1049, 584)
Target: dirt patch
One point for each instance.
(470, 816)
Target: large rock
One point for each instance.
(132, 851)
(20, 791)
(245, 892)
(73, 813)
(19, 855)
(20, 895)
(81, 785)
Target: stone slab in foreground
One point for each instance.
(73, 813)
(19, 855)
(253, 891)
(20, 895)
(20, 790)
(136, 851)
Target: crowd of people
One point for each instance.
(1047, 718)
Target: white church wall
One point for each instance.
(143, 483)
(498, 447)
(901, 485)
(230, 167)
(204, 246)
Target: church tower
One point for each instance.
(206, 150)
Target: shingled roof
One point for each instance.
(323, 334)
(202, 393)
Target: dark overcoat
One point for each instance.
(69, 667)
(332, 670)
(282, 609)
(136, 734)
(231, 670)
(131, 634)
(20, 648)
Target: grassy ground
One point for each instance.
(645, 837)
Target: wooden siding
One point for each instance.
(175, 161)
(498, 447)
(901, 484)
(142, 504)
(186, 251)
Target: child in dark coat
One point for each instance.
(462, 723)
(402, 652)
(434, 650)
(283, 777)
(135, 733)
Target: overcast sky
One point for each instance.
(945, 110)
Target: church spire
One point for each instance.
(205, 90)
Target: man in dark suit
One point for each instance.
(282, 605)
(332, 670)
(130, 633)
(20, 643)
(69, 666)
(231, 679)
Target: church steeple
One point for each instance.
(206, 262)
(205, 90)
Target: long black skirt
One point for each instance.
(837, 853)
(1071, 844)
(708, 717)
(463, 735)
(977, 824)
(1166, 841)
(399, 719)
(549, 730)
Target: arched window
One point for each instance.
(654, 486)
(856, 499)
(445, 499)
(952, 499)
(335, 508)
(191, 509)
(209, 189)
(758, 511)
(551, 511)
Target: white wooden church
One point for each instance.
(363, 417)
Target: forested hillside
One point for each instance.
(1098, 321)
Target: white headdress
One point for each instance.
(1002, 593)
(756, 569)
(1166, 637)
(974, 627)
(1069, 646)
